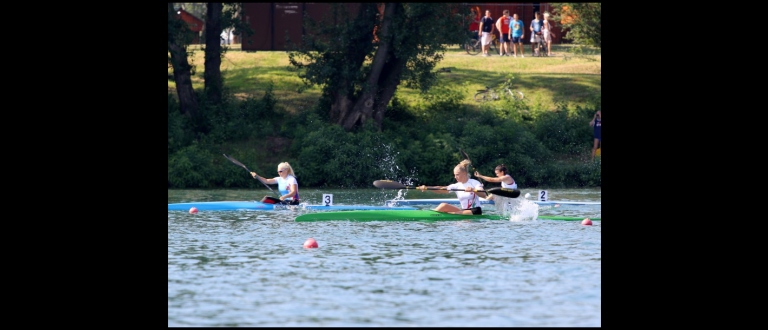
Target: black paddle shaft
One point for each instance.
(389, 184)
(238, 163)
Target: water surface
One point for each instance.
(248, 268)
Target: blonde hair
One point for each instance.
(463, 166)
(287, 167)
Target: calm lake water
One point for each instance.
(249, 268)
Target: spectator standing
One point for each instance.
(596, 124)
(503, 26)
(546, 31)
(486, 28)
(535, 32)
(516, 33)
(474, 27)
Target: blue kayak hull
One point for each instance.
(223, 206)
(259, 206)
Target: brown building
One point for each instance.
(195, 24)
(272, 22)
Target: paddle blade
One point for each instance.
(504, 192)
(470, 161)
(465, 154)
(388, 184)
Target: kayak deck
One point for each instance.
(388, 215)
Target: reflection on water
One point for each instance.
(248, 268)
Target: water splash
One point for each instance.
(388, 167)
(516, 209)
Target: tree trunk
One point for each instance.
(364, 105)
(212, 76)
(343, 97)
(181, 67)
(388, 87)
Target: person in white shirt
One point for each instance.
(469, 196)
(502, 175)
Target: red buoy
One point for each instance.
(310, 243)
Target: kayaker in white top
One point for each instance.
(286, 185)
(469, 198)
(502, 175)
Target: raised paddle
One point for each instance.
(467, 158)
(249, 172)
(389, 184)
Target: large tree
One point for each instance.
(361, 58)
(581, 20)
(179, 37)
(219, 17)
(212, 75)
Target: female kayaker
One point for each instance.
(286, 185)
(469, 198)
(502, 175)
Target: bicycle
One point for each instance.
(540, 49)
(490, 94)
(473, 46)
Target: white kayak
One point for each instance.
(436, 201)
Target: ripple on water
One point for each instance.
(250, 269)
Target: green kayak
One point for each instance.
(556, 217)
(389, 215)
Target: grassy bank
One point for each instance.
(572, 76)
(545, 139)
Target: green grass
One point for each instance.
(572, 76)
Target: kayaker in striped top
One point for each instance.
(286, 185)
(469, 198)
(502, 175)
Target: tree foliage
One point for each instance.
(217, 17)
(581, 20)
(361, 58)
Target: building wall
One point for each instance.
(273, 23)
(195, 24)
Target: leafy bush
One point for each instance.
(563, 133)
(418, 145)
(191, 167)
(329, 156)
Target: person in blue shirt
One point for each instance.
(516, 34)
(286, 185)
(596, 124)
